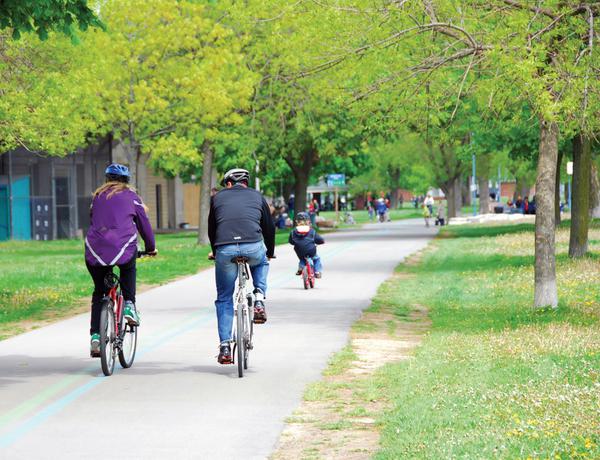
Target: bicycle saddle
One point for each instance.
(240, 260)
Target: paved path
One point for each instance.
(176, 401)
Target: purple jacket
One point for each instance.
(115, 222)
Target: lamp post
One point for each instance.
(569, 173)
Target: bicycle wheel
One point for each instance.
(239, 339)
(107, 338)
(247, 338)
(305, 278)
(128, 345)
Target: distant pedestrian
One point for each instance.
(370, 209)
(441, 215)
(291, 203)
(429, 203)
(426, 214)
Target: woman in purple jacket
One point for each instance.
(117, 215)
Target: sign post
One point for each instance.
(336, 180)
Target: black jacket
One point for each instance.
(305, 244)
(240, 215)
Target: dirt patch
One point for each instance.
(338, 417)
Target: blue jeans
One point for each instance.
(316, 263)
(226, 276)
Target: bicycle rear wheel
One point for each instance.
(239, 338)
(107, 338)
(128, 345)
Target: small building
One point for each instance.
(46, 198)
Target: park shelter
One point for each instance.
(325, 193)
(45, 198)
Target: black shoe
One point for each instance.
(225, 354)
(299, 272)
(260, 315)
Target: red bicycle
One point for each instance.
(117, 336)
(308, 273)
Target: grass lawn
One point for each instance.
(362, 217)
(44, 280)
(494, 378)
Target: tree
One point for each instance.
(42, 16)
(45, 102)
(545, 54)
(169, 75)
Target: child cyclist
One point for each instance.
(117, 215)
(305, 240)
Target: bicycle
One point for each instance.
(117, 336)
(308, 273)
(243, 326)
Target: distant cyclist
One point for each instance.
(117, 215)
(382, 209)
(239, 224)
(305, 240)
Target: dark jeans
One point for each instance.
(126, 274)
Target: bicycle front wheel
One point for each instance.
(128, 346)
(107, 338)
(247, 337)
(239, 337)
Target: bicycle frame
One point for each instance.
(242, 292)
(114, 294)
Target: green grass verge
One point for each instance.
(495, 378)
(40, 280)
(362, 217)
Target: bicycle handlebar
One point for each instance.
(141, 254)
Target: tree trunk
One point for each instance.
(594, 192)
(580, 214)
(300, 186)
(545, 259)
(301, 172)
(557, 217)
(521, 189)
(458, 203)
(467, 194)
(395, 176)
(484, 194)
(452, 190)
(205, 187)
(131, 153)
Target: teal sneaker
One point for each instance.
(130, 313)
(95, 346)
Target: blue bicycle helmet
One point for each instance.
(117, 172)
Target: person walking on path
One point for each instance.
(426, 215)
(239, 225)
(441, 214)
(429, 203)
(117, 215)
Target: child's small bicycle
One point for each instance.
(308, 273)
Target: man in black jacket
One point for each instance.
(239, 224)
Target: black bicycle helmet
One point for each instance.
(236, 175)
(302, 217)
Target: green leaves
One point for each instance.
(42, 16)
